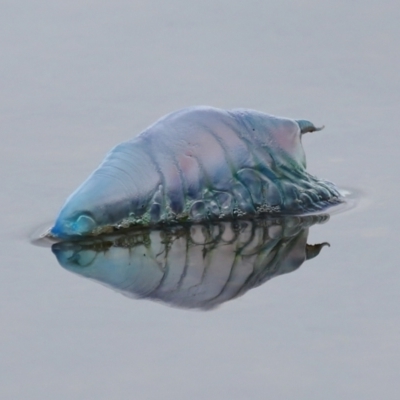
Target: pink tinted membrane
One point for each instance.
(288, 138)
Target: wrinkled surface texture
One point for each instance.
(197, 164)
(199, 266)
(79, 77)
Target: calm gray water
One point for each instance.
(77, 78)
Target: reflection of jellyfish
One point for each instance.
(194, 266)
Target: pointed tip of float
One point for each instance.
(307, 126)
(319, 128)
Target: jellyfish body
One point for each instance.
(197, 164)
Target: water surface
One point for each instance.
(80, 77)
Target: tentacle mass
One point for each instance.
(197, 164)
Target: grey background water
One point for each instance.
(76, 78)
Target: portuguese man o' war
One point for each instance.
(196, 265)
(199, 164)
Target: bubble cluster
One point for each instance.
(252, 194)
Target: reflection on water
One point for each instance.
(196, 266)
